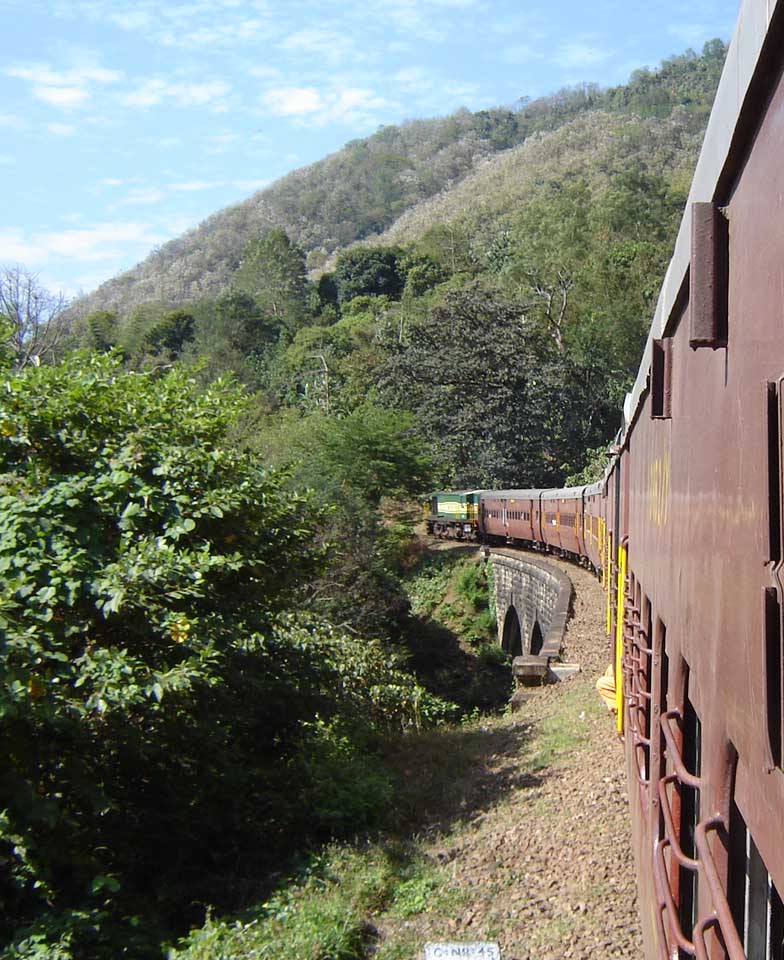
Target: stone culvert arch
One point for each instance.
(537, 638)
(531, 597)
(512, 633)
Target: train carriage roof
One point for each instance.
(592, 489)
(565, 493)
(510, 494)
(454, 493)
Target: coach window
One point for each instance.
(690, 815)
(774, 469)
(774, 703)
(644, 685)
(662, 671)
(754, 900)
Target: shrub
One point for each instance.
(157, 692)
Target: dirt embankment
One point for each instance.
(534, 835)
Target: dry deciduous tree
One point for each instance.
(33, 313)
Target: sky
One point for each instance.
(123, 123)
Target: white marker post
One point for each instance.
(462, 951)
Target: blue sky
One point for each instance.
(125, 122)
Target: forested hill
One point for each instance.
(363, 189)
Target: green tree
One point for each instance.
(171, 334)
(353, 463)
(138, 557)
(101, 330)
(274, 273)
(167, 723)
(480, 382)
(368, 271)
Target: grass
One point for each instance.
(326, 913)
(457, 591)
(383, 896)
(561, 735)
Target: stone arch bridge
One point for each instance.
(532, 603)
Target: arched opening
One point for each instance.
(537, 640)
(512, 635)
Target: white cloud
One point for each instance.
(217, 32)
(111, 182)
(143, 195)
(77, 76)
(12, 122)
(346, 105)
(354, 105)
(155, 90)
(147, 94)
(61, 96)
(99, 242)
(197, 24)
(412, 80)
(64, 88)
(132, 19)
(293, 101)
(251, 185)
(192, 186)
(409, 17)
(16, 248)
(5, 158)
(199, 94)
(329, 47)
(466, 94)
(263, 72)
(61, 129)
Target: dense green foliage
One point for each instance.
(506, 316)
(168, 722)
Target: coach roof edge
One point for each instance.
(743, 61)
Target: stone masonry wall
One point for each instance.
(538, 592)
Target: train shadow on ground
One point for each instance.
(454, 775)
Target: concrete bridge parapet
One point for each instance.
(532, 602)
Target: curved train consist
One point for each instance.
(687, 529)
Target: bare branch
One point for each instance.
(35, 315)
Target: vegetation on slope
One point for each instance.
(363, 188)
(173, 712)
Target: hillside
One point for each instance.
(363, 189)
(595, 146)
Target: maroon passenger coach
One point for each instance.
(687, 529)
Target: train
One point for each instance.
(686, 529)
(567, 522)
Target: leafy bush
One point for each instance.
(157, 694)
(472, 584)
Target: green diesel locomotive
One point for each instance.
(453, 514)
